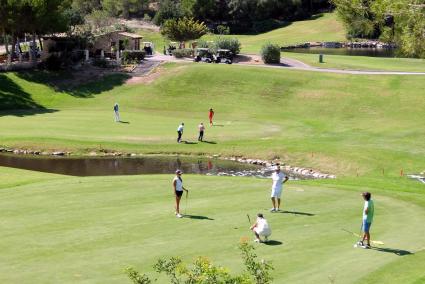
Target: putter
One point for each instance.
(359, 236)
(249, 219)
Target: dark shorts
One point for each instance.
(179, 193)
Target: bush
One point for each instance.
(183, 52)
(232, 44)
(223, 30)
(270, 53)
(132, 56)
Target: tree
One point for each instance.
(184, 29)
(168, 9)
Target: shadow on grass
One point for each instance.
(125, 122)
(273, 243)
(189, 142)
(209, 142)
(296, 213)
(86, 86)
(398, 252)
(15, 101)
(197, 217)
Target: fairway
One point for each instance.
(89, 229)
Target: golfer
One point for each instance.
(279, 179)
(261, 228)
(201, 131)
(180, 132)
(117, 112)
(211, 116)
(178, 191)
(368, 212)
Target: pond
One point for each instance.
(103, 166)
(372, 52)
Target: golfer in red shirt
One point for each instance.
(210, 116)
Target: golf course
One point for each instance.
(364, 129)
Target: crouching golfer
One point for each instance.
(178, 191)
(368, 212)
(278, 179)
(261, 228)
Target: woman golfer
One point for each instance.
(178, 191)
(261, 228)
(211, 116)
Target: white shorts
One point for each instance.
(264, 233)
(276, 192)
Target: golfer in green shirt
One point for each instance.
(368, 212)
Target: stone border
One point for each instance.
(304, 172)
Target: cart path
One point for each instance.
(290, 64)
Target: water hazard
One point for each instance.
(372, 52)
(103, 166)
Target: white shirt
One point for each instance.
(277, 180)
(201, 127)
(180, 128)
(179, 184)
(263, 226)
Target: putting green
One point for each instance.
(68, 229)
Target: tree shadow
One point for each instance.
(15, 101)
(209, 142)
(296, 213)
(77, 85)
(398, 252)
(273, 243)
(197, 217)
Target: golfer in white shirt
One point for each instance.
(278, 179)
(261, 228)
(178, 191)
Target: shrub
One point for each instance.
(132, 56)
(232, 44)
(183, 52)
(223, 30)
(270, 53)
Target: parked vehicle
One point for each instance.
(223, 56)
(204, 55)
(149, 48)
(171, 46)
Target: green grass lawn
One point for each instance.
(155, 37)
(360, 62)
(67, 229)
(343, 124)
(87, 230)
(324, 27)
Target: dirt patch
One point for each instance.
(154, 75)
(312, 95)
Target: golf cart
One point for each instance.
(171, 46)
(203, 55)
(223, 56)
(149, 48)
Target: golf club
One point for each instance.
(249, 219)
(354, 234)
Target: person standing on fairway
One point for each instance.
(368, 212)
(201, 131)
(117, 112)
(278, 179)
(180, 132)
(178, 191)
(211, 116)
(261, 228)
